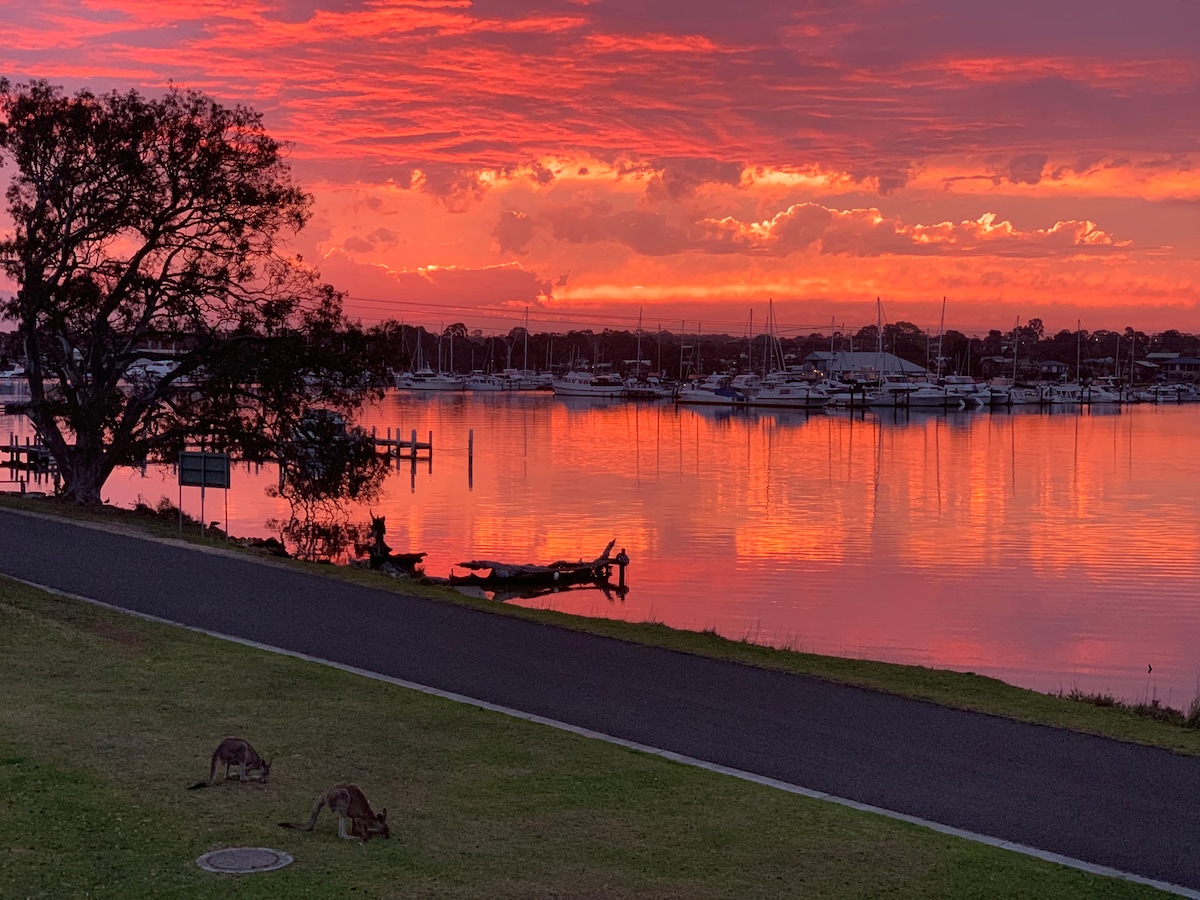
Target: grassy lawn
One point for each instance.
(106, 719)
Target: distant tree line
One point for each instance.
(459, 349)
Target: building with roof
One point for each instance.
(869, 364)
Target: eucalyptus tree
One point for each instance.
(153, 229)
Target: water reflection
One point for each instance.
(326, 470)
(1050, 548)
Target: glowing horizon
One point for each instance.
(593, 161)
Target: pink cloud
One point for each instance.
(379, 293)
(671, 112)
(824, 230)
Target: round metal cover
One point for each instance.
(239, 860)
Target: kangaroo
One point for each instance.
(349, 802)
(234, 751)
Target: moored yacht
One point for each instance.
(486, 383)
(781, 391)
(715, 390)
(587, 384)
(425, 379)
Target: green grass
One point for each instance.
(106, 719)
(960, 690)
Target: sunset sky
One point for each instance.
(587, 160)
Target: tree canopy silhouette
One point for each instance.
(155, 305)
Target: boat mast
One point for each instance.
(750, 344)
(682, 345)
(1016, 347)
(1079, 333)
(879, 336)
(941, 332)
(637, 367)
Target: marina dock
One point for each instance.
(406, 448)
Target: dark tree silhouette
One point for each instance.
(149, 229)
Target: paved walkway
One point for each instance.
(1119, 805)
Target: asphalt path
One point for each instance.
(1101, 801)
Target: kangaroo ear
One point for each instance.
(382, 817)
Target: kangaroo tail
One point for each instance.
(316, 811)
(212, 773)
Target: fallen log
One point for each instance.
(559, 572)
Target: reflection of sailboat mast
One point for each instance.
(637, 441)
(878, 465)
(937, 457)
(1075, 461)
(1012, 431)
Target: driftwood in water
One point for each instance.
(561, 572)
(380, 554)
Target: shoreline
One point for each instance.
(1150, 723)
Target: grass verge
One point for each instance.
(959, 690)
(107, 718)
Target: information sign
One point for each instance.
(200, 469)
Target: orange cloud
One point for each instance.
(686, 154)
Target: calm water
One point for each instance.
(1050, 549)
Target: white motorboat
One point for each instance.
(1168, 393)
(715, 390)
(972, 391)
(526, 380)
(1097, 393)
(487, 383)
(425, 379)
(588, 384)
(648, 387)
(1061, 394)
(778, 390)
(926, 396)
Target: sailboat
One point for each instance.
(642, 385)
(423, 378)
(780, 388)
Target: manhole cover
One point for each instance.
(243, 859)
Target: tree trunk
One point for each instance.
(84, 470)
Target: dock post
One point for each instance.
(470, 444)
(622, 562)
(414, 445)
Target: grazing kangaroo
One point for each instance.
(349, 802)
(234, 751)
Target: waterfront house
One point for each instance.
(1052, 370)
(1181, 367)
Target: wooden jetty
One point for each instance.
(27, 456)
(408, 448)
